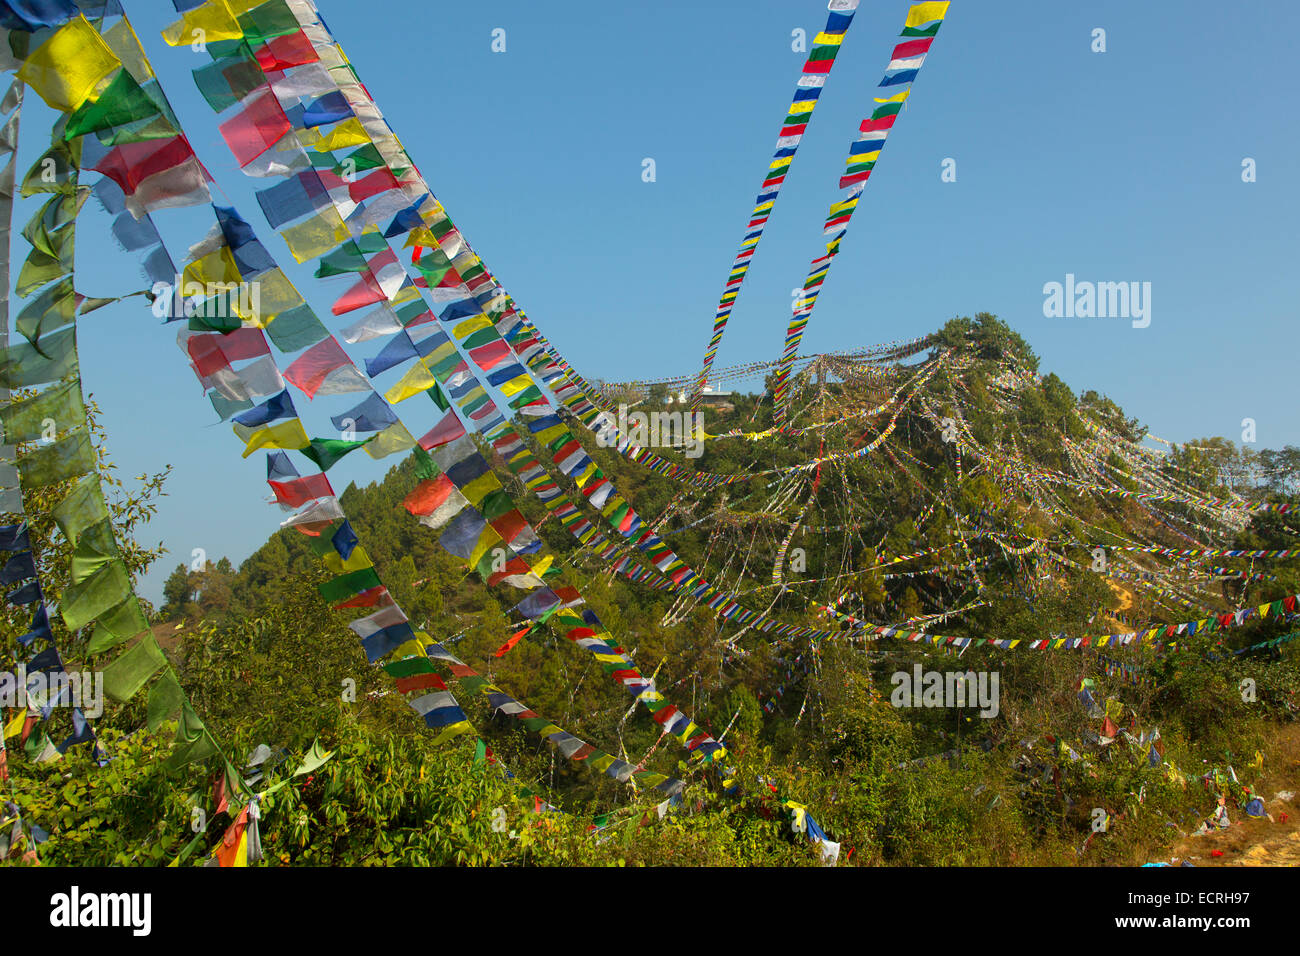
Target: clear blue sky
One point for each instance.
(1115, 166)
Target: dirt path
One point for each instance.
(1250, 841)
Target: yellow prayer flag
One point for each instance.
(124, 43)
(418, 379)
(348, 133)
(453, 730)
(896, 98)
(548, 435)
(15, 726)
(315, 237)
(287, 435)
(486, 542)
(422, 237)
(208, 23)
(541, 567)
(67, 67)
(216, 267)
(357, 561)
(515, 386)
(446, 350)
(926, 12)
(471, 325)
(393, 439)
(828, 39)
(408, 292)
(482, 486)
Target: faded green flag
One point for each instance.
(69, 457)
(54, 172)
(193, 742)
(41, 268)
(132, 670)
(165, 698)
(29, 420)
(96, 548)
(296, 329)
(23, 365)
(117, 626)
(56, 213)
(85, 601)
(83, 508)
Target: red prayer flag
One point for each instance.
(256, 129)
(364, 293)
(131, 163)
(311, 368)
(429, 495)
(287, 51)
(447, 430)
(369, 598)
(420, 682)
(491, 355)
(885, 122)
(301, 490)
(911, 48)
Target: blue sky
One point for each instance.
(1115, 166)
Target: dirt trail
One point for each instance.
(1251, 841)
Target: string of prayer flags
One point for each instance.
(903, 68)
(826, 46)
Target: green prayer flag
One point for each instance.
(929, 31)
(344, 587)
(314, 759)
(409, 667)
(230, 79)
(52, 309)
(117, 626)
(55, 171)
(495, 504)
(57, 212)
(41, 268)
(132, 670)
(158, 127)
(83, 508)
(531, 394)
(122, 102)
(70, 457)
(266, 21)
(97, 547)
(225, 407)
(367, 157)
(165, 698)
(85, 601)
(425, 469)
(193, 742)
(28, 420)
(351, 255)
(326, 451)
(296, 329)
